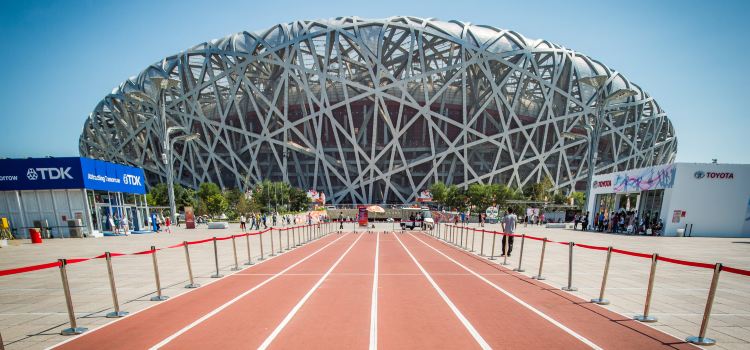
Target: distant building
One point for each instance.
(374, 111)
(71, 196)
(701, 198)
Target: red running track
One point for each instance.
(428, 295)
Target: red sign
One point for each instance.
(604, 183)
(189, 217)
(362, 215)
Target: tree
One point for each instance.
(479, 195)
(157, 195)
(439, 192)
(298, 199)
(215, 204)
(208, 189)
(456, 198)
(579, 199)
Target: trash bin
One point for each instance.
(36, 235)
(680, 232)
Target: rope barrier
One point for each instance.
(49, 265)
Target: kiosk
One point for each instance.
(72, 197)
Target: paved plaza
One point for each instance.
(32, 305)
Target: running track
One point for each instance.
(428, 295)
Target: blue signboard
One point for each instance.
(69, 173)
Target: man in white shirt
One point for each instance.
(509, 226)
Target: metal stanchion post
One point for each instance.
(473, 239)
(520, 255)
(481, 244)
(539, 276)
(272, 253)
(701, 338)
(113, 288)
(288, 240)
(249, 257)
(74, 329)
(649, 291)
(216, 260)
(260, 242)
(234, 250)
(294, 237)
(190, 267)
(492, 250)
(600, 300)
(281, 249)
(570, 287)
(506, 245)
(461, 237)
(158, 296)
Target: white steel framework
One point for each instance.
(372, 111)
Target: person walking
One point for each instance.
(167, 224)
(341, 221)
(509, 227)
(242, 222)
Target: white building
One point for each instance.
(704, 199)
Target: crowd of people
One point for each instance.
(622, 221)
(254, 221)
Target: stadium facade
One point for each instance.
(374, 111)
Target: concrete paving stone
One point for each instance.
(679, 293)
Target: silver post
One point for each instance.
(294, 237)
(249, 257)
(539, 276)
(74, 329)
(600, 300)
(216, 261)
(281, 249)
(288, 240)
(570, 287)
(190, 267)
(113, 288)
(461, 237)
(492, 250)
(520, 255)
(234, 250)
(271, 237)
(481, 245)
(701, 338)
(649, 291)
(158, 296)
(506, 245)
(260, 239)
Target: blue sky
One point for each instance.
(61, 57)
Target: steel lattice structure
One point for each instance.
(372, 111)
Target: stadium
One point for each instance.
(374, 111)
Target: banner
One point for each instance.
(189, 217)
(70, 173)
(362, 215)
(492, 213)
(424, 196)
(316, 197)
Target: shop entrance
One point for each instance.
(651, 203)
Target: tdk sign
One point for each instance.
(48, 173)
(131, 180)
(70, 173)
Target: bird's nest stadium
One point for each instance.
(374, 111)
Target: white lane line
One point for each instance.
(515, 298)
(474, 333)
(302, 301)
(235, 299)
(374, 305)
(212, 280)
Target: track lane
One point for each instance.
(601, 326)
(149, 326)
(337, 316)
(411, 314)
(248, 321)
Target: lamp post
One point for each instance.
(170, 169)
(593, 124)
(162, 84)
